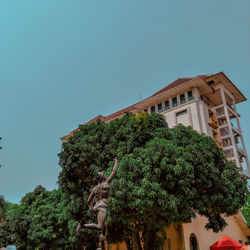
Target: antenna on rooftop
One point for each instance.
(140, 96)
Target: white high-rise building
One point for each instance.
(207, 103)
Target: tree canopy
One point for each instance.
(246, 211)
(40, 221)
(164, 176)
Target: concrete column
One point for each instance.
(196, 95)
(229, 127)
(241, 138)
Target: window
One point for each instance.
(160, 107)
(183, 99)
(190, 95)
(152, 109)
(181, 113)
(183, 118)
(174, 101)
(210, 82)
(193, 242)
(167, 106)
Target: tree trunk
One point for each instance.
(128, 240)
(140, 247)
(128, 244)
(149, 238)
(136, 241)
(152, 240)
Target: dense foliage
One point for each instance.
(38, 222)
(7, 211)
(164, 176)
(246, 211)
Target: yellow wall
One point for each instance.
(178, 235)
(175, 239)
(118, 246)
(207, 238)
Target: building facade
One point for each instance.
(207, 103)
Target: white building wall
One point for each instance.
(196, 120)
(206, 129)
(170, 118)
(183, 118)
(191, 118)
(206, 238)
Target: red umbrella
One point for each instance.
(226, 243)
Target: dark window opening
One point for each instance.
(210, 82)
(174, 101)
(152, 109)
(167, 106)
(160, 107)
(182, 98)
(190, 95)
(181, 113)
(193, 242)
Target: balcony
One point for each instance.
(236, 140)
(231, 111)
(213, 123)
(222, 122)
(226, 142)
(241, 151)
(220, 112)
(229, 154)
(225, 125)
(224, 132)
(236, 132)
(230, 107)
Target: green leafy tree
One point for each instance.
(246, 211)
(164, 176)
(40, 221)
(7, 210)
(2, 208)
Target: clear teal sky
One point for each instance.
(64, 62)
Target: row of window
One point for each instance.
(174, 102)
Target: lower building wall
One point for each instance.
(207, 238)
(178, 236)
(175, 238)
(174, 241)
(117, 246)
